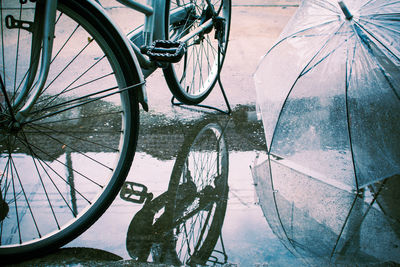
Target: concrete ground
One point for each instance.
(255, 26)
(304, 230)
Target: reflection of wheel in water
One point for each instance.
(182, 225)
(62, 166)
(198, 193)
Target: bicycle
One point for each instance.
(182, 225)
(71, 85)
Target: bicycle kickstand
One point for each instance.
(219, 67)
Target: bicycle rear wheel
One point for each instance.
(62, 167)
(192, 79)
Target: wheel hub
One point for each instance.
(9, 125)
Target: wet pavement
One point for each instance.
(245, 221)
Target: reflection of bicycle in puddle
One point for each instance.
(183, 225)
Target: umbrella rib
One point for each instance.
(365, 4)
(395, 14)
(348, 78)
(297, 79)
(377, 61)
(304, 30)
(388, 81)
(332, 7)
(305, 71)
(380, 26)
(275, 202)
(361, 220)
(377, 7)
(343, 227)
(348, 74)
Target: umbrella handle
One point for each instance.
(345, 10)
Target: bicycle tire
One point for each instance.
(192, 79)
(78, 156)
(208, 141)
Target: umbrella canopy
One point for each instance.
(322, 225)
(329, 91)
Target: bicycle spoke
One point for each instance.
(6, 98)
(19, 216)
(34, 160)
(16, 208)
(74, 137)
(41, 161)
(90, 100)
(200, 65)
(66, 42)
(208, 164)
(199, 72)
(73, 143)
(52, 181)
(37, 56)
(2, 43)
(68, 168)
(63, 179)
(187, 240)
(195, 61)
(97, 115)
(73, 149)
(203, 230)
(69, 64)
(195, 222)
(4, 174)
(210, 55)
(40, 164)
(17, 53)
(68, 89)
(26, 200)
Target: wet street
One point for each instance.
(244, 218)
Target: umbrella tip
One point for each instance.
(345, 10)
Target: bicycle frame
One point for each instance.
(154, 28)
(46, 34)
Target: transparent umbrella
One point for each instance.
(322, 225)
(329, 90)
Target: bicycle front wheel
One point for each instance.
(192, 79)
(62, 166)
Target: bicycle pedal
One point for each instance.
(134, 192)
(165, 51)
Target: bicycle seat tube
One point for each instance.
(153, 29)
(148, 10)
(50, 9)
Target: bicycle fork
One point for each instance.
(42, 42)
